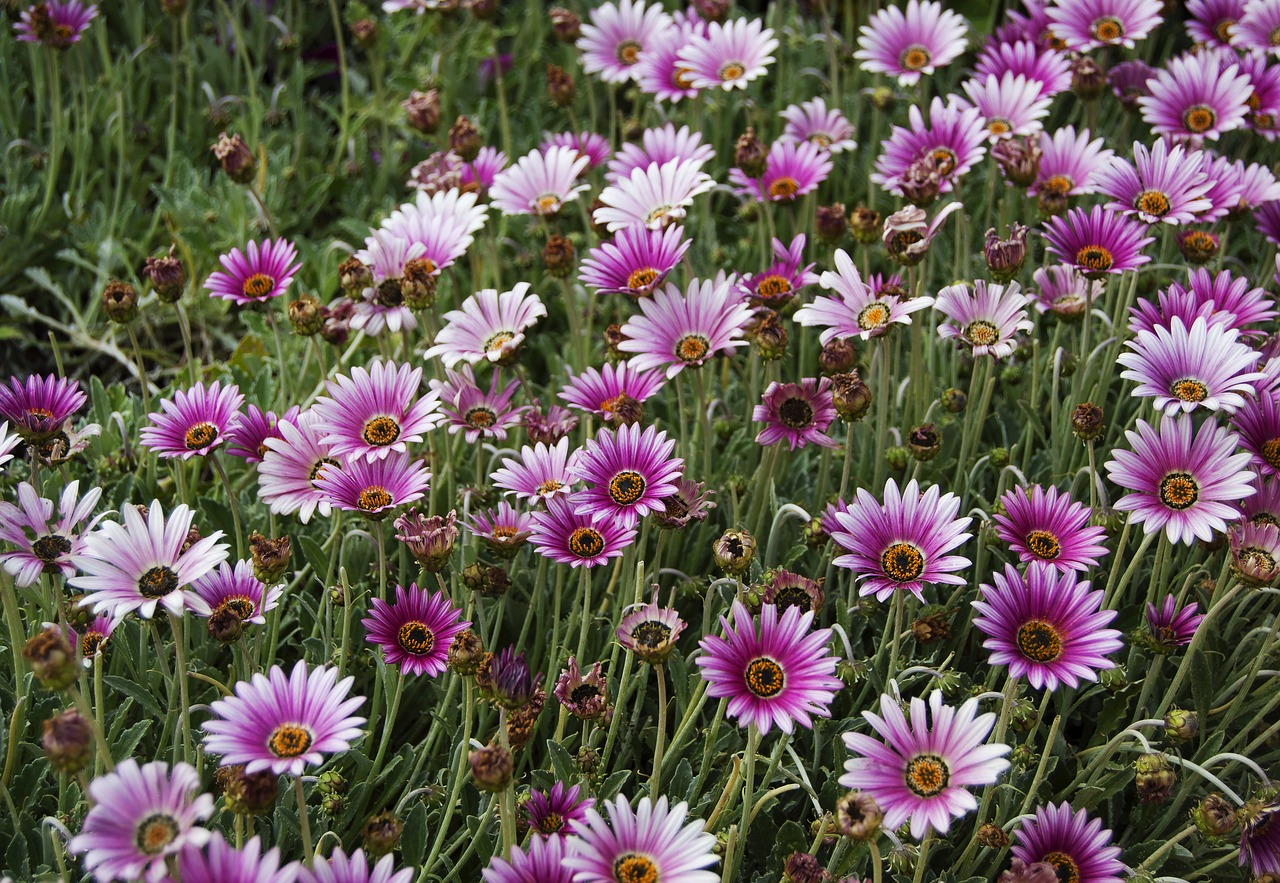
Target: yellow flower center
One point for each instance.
(642, 279)
(1064, 866)
(374, 498)
(1107, 29)
(635, 868)
(765, 677)
(480, 418)
(547, 204)
(785, 187)
(200, 436)
(915, 58)
(381, 431)
(1153, 202)
(498, 342)
(927, 775)
(1040, 641)
(902, 562)
(1095, 258)
(732, 70)
(1057, 185)
(1044, 545)
(1199, 118)
(1189, 390)
(586, 542)
(1271, 451)
(258, 285)
(1179, 491)
(874, 315)
(155, 832)
(627, 487)
(289, 740)
(628, 52)
(241, 605)
(692, 349)
(157, 582)
(415, 638)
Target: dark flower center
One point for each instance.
(90, 642)
(1265, 518)
(381, 431)
(793, 596)
(1189, 390)
(1057, 185)
(157, 582)
(1064, 866)
(1107, 29)
(765, 678)
(795, 413)
(318, 469)
(927, 775)
(632, 867)
(201, 436)
(1153, 202)
(480, 418)
(1199, 118)
(642, 279)
(732, 70)
(1271, 451)
(373, 498)
(551, 823)
(584, 693)
(241, 605)
(390, 294)
(258, 285)
(626, 487)
(1257, 559)
(155, 832)
(586, 542)
(651, 634)
(49, 549)
(1095, 258)
(416, 638)
(289, 740)
(902, 562)
(785, 187)
(1179, 490)
(900, 241)
(692, 349)
(773, 285)
(1044, 545)
(872, 316)
(628, 52)
(1040, 641)
(915, 58)
(982, 333)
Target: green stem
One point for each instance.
(388, 722)
(232, 502)
(655, 781)
(304, 823)
(748, 793)
(180, 673)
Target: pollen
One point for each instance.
(258, 285)
(381, 431)
(414, 637)
(627, 487)
(902, 562)
(1040, 641)
(785, 187)
(372, 499)
(642, 279)
(200, 436)
(927, 775)
(586, 542)
(289, 740)
(915, 58)
(1179, 491)
(765, 677)
(1044, 545)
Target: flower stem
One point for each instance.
(748, 792)
(304, 823)
(232, 502)
(181, 674)
(387, 723)
(655, 781)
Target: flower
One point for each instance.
(1075, 845)
(660, 145)
(1089, 24)
(542, 862)
(218, 862)
(585, 696)
(373, 488)
(784, 278)
(792, 169)
(430, 540)
(628, 473)
(238, 590)
(375, 412)
(1047, 527)
(593, 146)
(798, 413)
(568, 537)
(730, 55)
(1183, 370)
(542, 472)
(141, 815)
(1196, 97)
(1098, 242)
(354, 868)
(1050, 71)
(1255, 552)
(488, 326)
(1256, 29)
(474, 412)
(855, 311)
(985, 321)
(1260, 837)
(675, 330)
(1171, 626)
(1064, 292)
(415, 631)
(1160, 186)
(689, 503)
(814, 122)
(540, 183)
(1070, 164)
(396, 265)
(903, 543)
(635, 261)
(650, 631)
(553, 813)
(908, 232)
(58, 23)
(651, 842)
(44, 547)
(247, 437)
(1129, 80)
(780, 673)
(194, 421)
(652, 196)
(907, 45)
(1211, 21)
(289, 469)
(921, 770)
(442, 223)
(257, 274)
(511, 683)
(1258, 423)
(954, 139)
(504, 529)
(481, 172)
(617, 36)
(1012, 104)
(602, 391)
(1186, 486)
(282, 722)
(141, 564)
(38, 407)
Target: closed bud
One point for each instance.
(992, 836)
(236, 158)
(897, 458)
(832, 223)
(954, 400)
(166, 277)
(354, 277)
(565, 24)
(1035, 872)
(174, 8)
(734, 552)
(431, 540)
(712, 10)
(1087, 422)
(1088, 79)
(482, 10)
(248, 794)
(1181, 725)
(1024, 717)
(815, 535)
(491, 768)
(464, 139)
(306, 315)
(52, 660)
(999, 457)
(558, 256)
(486, 579)
(120, 302)
(225, 626)
(625, 411)
(1025, 757)
(1197, 246)
(838, 356)
(613, 336)
(1051, 202)
(750, 155)
(865, 225)
(850, 396)
(932, 626)
(882, 99)
(1155, 778)
(922, 182)
(924, 442)
(512, 683)
(1005, 257)
(270, 557)
(588, 761)
(338, 595)
(365, 32)
(68, 741)
(561, 88)
(858, 816)
(768, 334)
(801, 867)
(1215, 816)
(465, 652)
(422, 110)
(1019, 159)
(381, 834)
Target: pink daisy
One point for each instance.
(257, 274)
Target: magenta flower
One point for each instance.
(675, 330)
(628, 474)
(488, 326)
(567, 537)
(1077, 847)
(650, 842)
(238, 590)
(218, 862)
(289, 469)
(540, 473)
(554, 813)
(1047, 527)
(354, 868)
(814, 122)
(442, 223)
(730, 56)
(658, 146)
(37, 408)
(194, 421)
(1097, 243)
(1197, 97)
(1162, 185)
(593, 146)
(798, 413)
(1128, 81)
(635, 261)
(777, 285)
(954, 138)
(1170, 625)
(504, 529)
(1064, 292)
(1258, 422)
(661, 72)
(907, 45)
(1090, 24)
(1256, 31)
(602, 391)
(617, 34)
(652, 197)
(1186, 369)
(390, 259)
(650, 631)
(42, 544)
(415, 631)
(257, 274)
(1011, 105)
(922, 768)
(1211, 21)
(792, 170)
(1255, 551)
(987, 320)
(539, 183)
(374, 487)
(480, 173)
(57, 23)
(1069, 163)
(473, 411)
(375, 411)
(856, 310)
(1051, 70)
(542, 862)
(247, 438)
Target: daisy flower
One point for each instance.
(504, 529)
(691, 502)
(635, 261)
(567, 537)
(354, 868)
(415, 631)
(659, 146)
(583, 695)
(247, 438)
(1235, 301)
(1184, 369)
(473, 411)
(1162, 184)
(282, 722)
(375, 411)
(1090, 24)
(797, 413)
(540, 183)
(540, 473)
(1011, 104)
(93, 639)
(1064, 292)
(730, 56)
(954, 137)
(1196, 97)
(238, 590)
(780, 673)
(908, 45)
(628, 473)
(908, 233)
(653, 196)
(140, 565)
(814, 122)
(443, 223)
(922, 768)
(1211, 21)
(141, 815)
(792, 169)
(553, 813)
(1256, 31)
(1047, 527)
(1128, 81)
(479, 174)
(1046, 627)
(488, 326)
(784, 278)
(675, 331)
(601, 391)
(42, 544)
(660, 72)
(1049, 70)
(986, 320)
(1259, 185)
(902, 544)
(1258, 422)
(394, 263)
(1255, 552)
(289, 469)
(542, 862)
(855, 311)
(651, 842)
(617, 35)
(218, 862)
(58, 23)
(650, 631)
(1225, 183)
(1171, 626)
(1077, 847)
(374, 487)
(595, 147)
(1098, 242)
(194, 421)
(1069, 163)
(257, 274)
(37, 408)
(1187, 486)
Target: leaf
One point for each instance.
(413, 840)
(682, 782)
(136, 693)
(565, 767)
(123, 746)
(610, 787)
(1202, 675)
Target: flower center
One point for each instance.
(547, 204)
(381, 431)
(201, 436)
(505, 532)
(915, 58)
(821, 139)
(1179, 491)
(1271, 451)
(1064, 866)
(157, 582)
(627, 487)
(872, 316)
(1265, 518)
(480, 418)
(551, 823)
(927, 775)
(656, 216)
(642, 279)
(981, 333)
(1199, 118)
(1274, 38)
(1095, 258)
(732, 70)
(289, 740)
(1222, 30)
(1044, 545)
(90, 642)
(498, 342)
(773, 285)
(785, 187)
(372, 499)
(795, 413)
(1153, 202)
(1257, 559)
(416, 638)
(635, 868)
(765, 678)
(651, 633)
(1057, 185)
(628, 52)
(683, 77)
(1107, 29)
(550, 486)
(902, 240)
(1189, 390)
(1040, 641)
(241, 605)
(793, 596)
(902, 562)
(692, 349)
(258, 285)
(586, 542)
(945, 159)
(1199, 244)
(584, 693)
(998, 126)
(389, 294)
(49, 549)
(317, 471)
(155, 832)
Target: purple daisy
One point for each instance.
(1170, 625)
(374, 487)
(691, 502)
(390, 259)
(503, 529)
(1264, 102)
(442, 223)
(218, 862)
(282, 722)
(1046, 626)
(91, 642)
(1047, 527)
(784, 278)
(650, 631)
(1128, 81)
(1077, 847)
(1225, 180)
(730, 56)
(194, 421)
(238, 590)
(1069, 163)
(1236, 302)
(856, 310)
(902, 544)
(676, 330)
(567, 537)
(1090, 24)
(652, 197)
(594, 146)
(1211, 21)
(585, 695)
(1255, 552)
(659, 146)
(289, 469)
(57, 23)
(257, 274)
(1205, 366)
(540, 473)
(37, 408)
(1098, 242)
(1258, 422)
(1050, 70)
(908, 45)
(141, 564)
(247, 438)
(473, 411)
(628, 473)
(539, 183)
(1064, 292)
(797, 413)
(792, 169)
(415, 631)
(1162, 184)
(375, 411)
(354, 868)
(986, 320)
(635, 261)
(553, 813)
(617, 35)
(488, 326)
(814, 122)
(601, 391)
(1260, 834)
(1257, 27)
(550, 426)
(480, 173)
(42, 544)
(651, 842)
(1186, 486)
(542, 862)
(778, 674)
(140, 816)
(1267, 220)
(1197, 97)
(8, 441)
(660, 72)
(1011, 104)
(954, 139)
(921, 770)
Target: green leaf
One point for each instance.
(610, 787)
(136, 693)
(413, 841)
(123, 746)
(563, 763)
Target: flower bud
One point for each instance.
(565, 24)
(832, 223)
(465, 652)
(1036, 872)
(1019, 159)
(68, 741)
(1155, 778)
(932, 626)
(768, 334)
(865, 225)
(418, 284)
(882, 99)
(431, 540)
(734, 552)
(354, 277)
(921, 182)
(558, 256)
(1181, 725)
(850, 396)
(270, 557)
(52, 660)
(712, 10)
(422, 109)
(858, 816)
(512, 682)
(561, 88)
(464, 139)
(166, 277)
(588, 761)
(381, 834)
(120, 302)
(306, 315)
(365, 33)
(801, 867)
(225, 626)
(1088, 79)
(992, 836)
(1197, 246)
(1215, 816)
(613, 336)
(838, 356)
(924, 442)
(750, 155)
(236, 158)
(248, 794)
(522, 722)
(491, 768)
(954, 400)
(897, 457)
(1087, 422)
(1005, 257)
(486, 579)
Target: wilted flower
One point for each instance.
(236, 158)
(431, 540)
(585, 696)
(423, 110)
